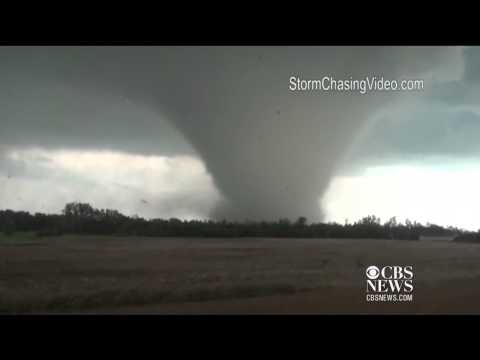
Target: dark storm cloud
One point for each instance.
(442, 123)
(271, 152)
(422, 134)
(464, 91)
(48, 113)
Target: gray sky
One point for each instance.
(216, 132)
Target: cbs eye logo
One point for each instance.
(372, 272)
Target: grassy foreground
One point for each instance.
(105, 274)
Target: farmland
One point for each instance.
(95, 274)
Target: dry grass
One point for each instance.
(70, 274)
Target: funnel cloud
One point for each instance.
(271, 152)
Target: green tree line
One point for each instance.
(82, 218)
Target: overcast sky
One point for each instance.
(213, 132)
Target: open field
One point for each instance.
(74, 274)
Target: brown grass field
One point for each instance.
(91, 274)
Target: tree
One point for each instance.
(9, 227)
(79, 210)
(301, 221)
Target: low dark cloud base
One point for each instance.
(271, 152)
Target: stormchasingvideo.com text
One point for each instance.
(362, 86)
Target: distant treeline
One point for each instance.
(80, 218)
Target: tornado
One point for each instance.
(270, 150)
